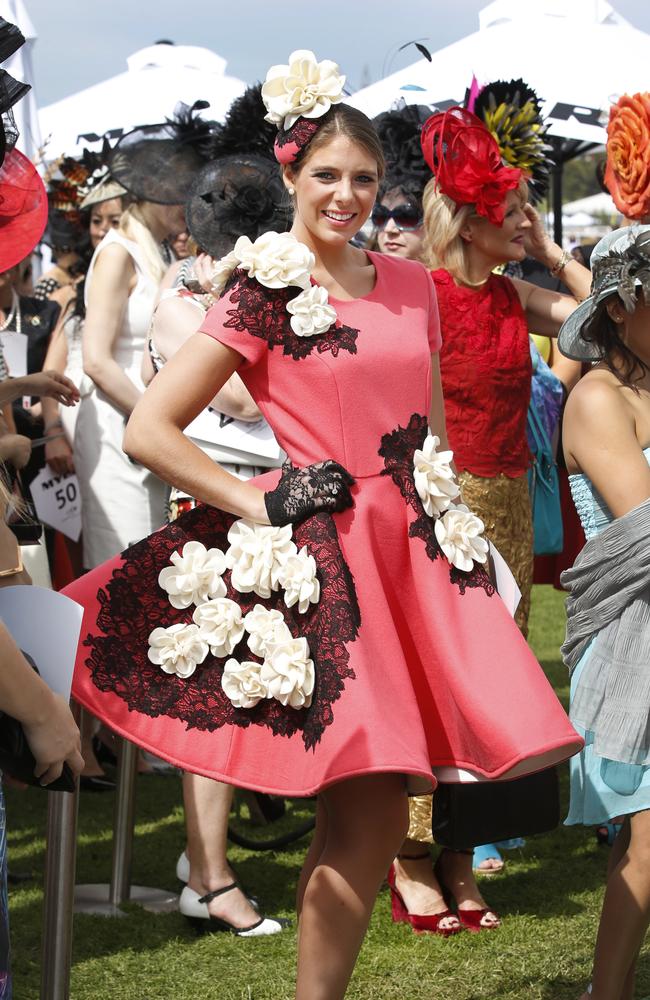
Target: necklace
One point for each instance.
(13, 312)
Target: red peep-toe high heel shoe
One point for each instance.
(421, 923)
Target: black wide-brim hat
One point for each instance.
(11, 38)
(153, 164)
(236, 196)
(11, 91)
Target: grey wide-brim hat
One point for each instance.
(620, 264)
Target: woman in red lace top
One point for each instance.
(475, 220)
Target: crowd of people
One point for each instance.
(309, 404)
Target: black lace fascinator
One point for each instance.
(399, 132)
(159, 163)
(236, 196)
(240, 192)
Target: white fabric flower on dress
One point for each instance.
(460, 536)
(221, 271)
(177, 649)
(243, 684)
(299, 581)
(195, 575)
(310, 313)
(221, 624)
(288, 672)
(276, 260)
(256, 553)
(304, 87)
(264, 625)
(433, 476)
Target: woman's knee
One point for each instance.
(374, 807)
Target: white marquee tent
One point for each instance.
(579, 56)
(156, 79)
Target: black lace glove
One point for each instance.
(324, 486)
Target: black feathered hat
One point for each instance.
(240, 192)
(159, 163)
(399, 132)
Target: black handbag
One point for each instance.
(22, 519)
(485, 812)
(18, 761)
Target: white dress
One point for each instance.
(121, 502)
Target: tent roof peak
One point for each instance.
(165, 56)
(585, 11)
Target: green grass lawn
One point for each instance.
(549, 898)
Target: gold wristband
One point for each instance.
(565, 258)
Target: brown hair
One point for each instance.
(601, 330)
(443, 246)
(344, 120)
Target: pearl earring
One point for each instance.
(291, 191)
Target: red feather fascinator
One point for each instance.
(465, 160)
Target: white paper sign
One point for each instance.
(255, 439)
(58, 502)
(506, 584)
(14, 348)
(46, 625)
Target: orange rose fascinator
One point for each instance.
(627, 174)
(466, 162)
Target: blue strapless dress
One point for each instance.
(601, 789)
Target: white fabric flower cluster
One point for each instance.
(286, 672)
(458, 530)
(261, 559)
(305, 88)
(279, 260)
(433, 476)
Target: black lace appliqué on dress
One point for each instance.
(263, 313)
(397, 448)
(133, 604)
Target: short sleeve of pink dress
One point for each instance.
(400, 663)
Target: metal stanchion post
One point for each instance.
(106, 899)
(60, 858)
(123, 823)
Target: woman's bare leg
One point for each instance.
(626, 911)
(207, 807)
(367, 819)
(313, 854)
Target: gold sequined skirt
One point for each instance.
(503, 504)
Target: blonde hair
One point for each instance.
(133, 226)
(444, 220)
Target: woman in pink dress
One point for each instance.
(330, 629)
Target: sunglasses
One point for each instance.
(406, 217)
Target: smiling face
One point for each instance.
(335, 189)
(104, 216)
(398, 242)
(499, 244)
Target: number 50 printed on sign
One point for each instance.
(57, 502)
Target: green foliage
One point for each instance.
(549, 897)
(579, 177)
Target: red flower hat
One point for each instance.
(465, 160)
(23, 209)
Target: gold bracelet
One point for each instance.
(565, 258)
